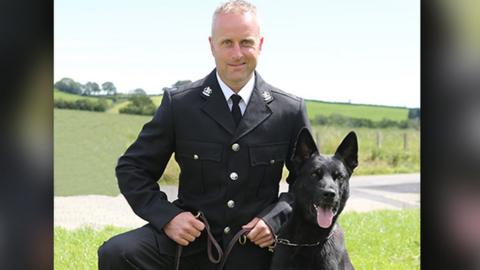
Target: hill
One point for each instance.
(314, 108)
(57, 94)
(372, 112)
(87, 146)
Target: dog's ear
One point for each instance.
(348, 151)
(304, 147)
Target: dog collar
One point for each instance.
(287, 242)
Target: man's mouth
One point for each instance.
(237, 65)
(325, 215)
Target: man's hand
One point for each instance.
(260, 233)
(184, 228)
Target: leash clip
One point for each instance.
(243, 239)
(271, 248)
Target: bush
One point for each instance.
(351, 122)
(82, 104)
(139, 104)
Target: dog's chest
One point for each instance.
(305, 258)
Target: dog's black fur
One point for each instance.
(317, 182)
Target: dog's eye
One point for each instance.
(337, 175)
(317, 174)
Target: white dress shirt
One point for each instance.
(245, 93)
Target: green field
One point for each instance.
(71, 97)
(375, 240)
(156, 100)
(117, 106)
(380, 151)
(87, 146)
(314, 108)
(372, 112)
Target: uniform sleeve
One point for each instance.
(144, 162)
(276, 214)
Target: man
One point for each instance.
(231, 133)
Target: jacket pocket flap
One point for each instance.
(199, 150)
(268, 154)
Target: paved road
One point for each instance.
(367, 193)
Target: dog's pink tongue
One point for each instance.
(324, 217)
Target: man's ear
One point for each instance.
(304, 147)
(211, 44)
(348, 151)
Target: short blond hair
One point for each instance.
(236, 7)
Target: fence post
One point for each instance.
(317, 139)
(379, 140)
(405, 142)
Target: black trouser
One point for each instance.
(139, 249)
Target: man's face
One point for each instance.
(236, 45)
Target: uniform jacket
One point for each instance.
(230, 173)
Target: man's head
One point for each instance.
(235, 42)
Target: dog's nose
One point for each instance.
(329, 194)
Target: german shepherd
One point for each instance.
(311, 238)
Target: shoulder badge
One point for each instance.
(207, 91)
(266, 96)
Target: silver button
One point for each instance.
(195, 156)
(226, 230)
(231, 204)
(234, 176)
(235, 147)
(272, 161)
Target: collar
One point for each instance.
(245, 92)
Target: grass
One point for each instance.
(87, 146)
(156, 100)
(57, 94)
(381, 151)
(372, 112)
(384, 239)
(117, 106)
(77, 250)
(314, 108)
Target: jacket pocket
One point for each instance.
(196, 161)
(268, 159)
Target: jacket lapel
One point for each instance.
(216, 106)
(257, 109)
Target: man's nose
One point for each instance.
(236, 52)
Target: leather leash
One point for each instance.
(240, 236)
(211, 241)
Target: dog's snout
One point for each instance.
(329, 193)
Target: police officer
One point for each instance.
(231, 134)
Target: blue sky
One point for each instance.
(345, 51)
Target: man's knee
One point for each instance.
(116, 249)
(109, 250)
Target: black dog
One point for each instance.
(311, 239)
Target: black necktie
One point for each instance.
(237, 115)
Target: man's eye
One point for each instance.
(227, 42)
(247, 43)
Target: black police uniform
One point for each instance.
(229, 173)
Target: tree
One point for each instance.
(139, 91)
(109, 88)
(70, 86)
(139, 104)
(91, 88)
(413, 113)
(180, 83)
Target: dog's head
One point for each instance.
(321, 183)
